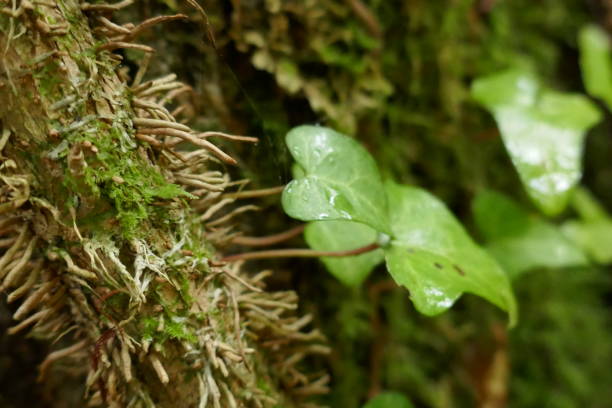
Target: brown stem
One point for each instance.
(366, 16)
(270, 239)
(255, 193)
(298, 253)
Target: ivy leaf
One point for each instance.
(594, 237)
(596, 62)
(340, 236)
(433, 256)
(542, 130)
(340, 180)
(389, 400)
(521, 242)
(593, 233)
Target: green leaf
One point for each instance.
(433, 256)
(587, 206)
(389, 400)
(519, 241)
(340, 236)
(498, 217)
(340, 181)
(594, 237)
(593, 233)
(542, 130)
(596, 62)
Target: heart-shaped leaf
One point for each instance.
(389, 400)
(521, 242)
(542, 130)
(340, 236)
(340, 180)
(433, 256)
(596, 62)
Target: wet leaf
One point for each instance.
(542, 130)
(433, 256)
(596, 62)
(340, 182)
(389, 400)
(521, 242)
(340, 236)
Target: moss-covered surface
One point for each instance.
(106, 249)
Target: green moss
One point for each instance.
(117, 174)
(48, 80)
(173, 328)
(178, 330)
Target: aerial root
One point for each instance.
(235, 138)
(126, 362)
(19, 192)
(237, 211)
(105, 7)
(115, 45)
(77, 270)
(128, 32)
(191, 138)
(12, 251)
(159, 369)
(317, 387)
(153, 21)
(58, 355)
(17, 271)
(255, 193)
(34, 299)
(213, 388)
(157, 123)
(110, 26)
(6, 133)
(28, 284)
(29, 321)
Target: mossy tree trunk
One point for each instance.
(110, 214)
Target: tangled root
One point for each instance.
(101, 248)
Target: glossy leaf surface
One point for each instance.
(596, 62)
(521, 242)
(542, 130)
(344, 235)
(433, 256)
(340, 180)
(389, 400)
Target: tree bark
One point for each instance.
(109, 221)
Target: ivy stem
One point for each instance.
(298, 253)
(255, 193)
(270, 239)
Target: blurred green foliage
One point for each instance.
(396, 75)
